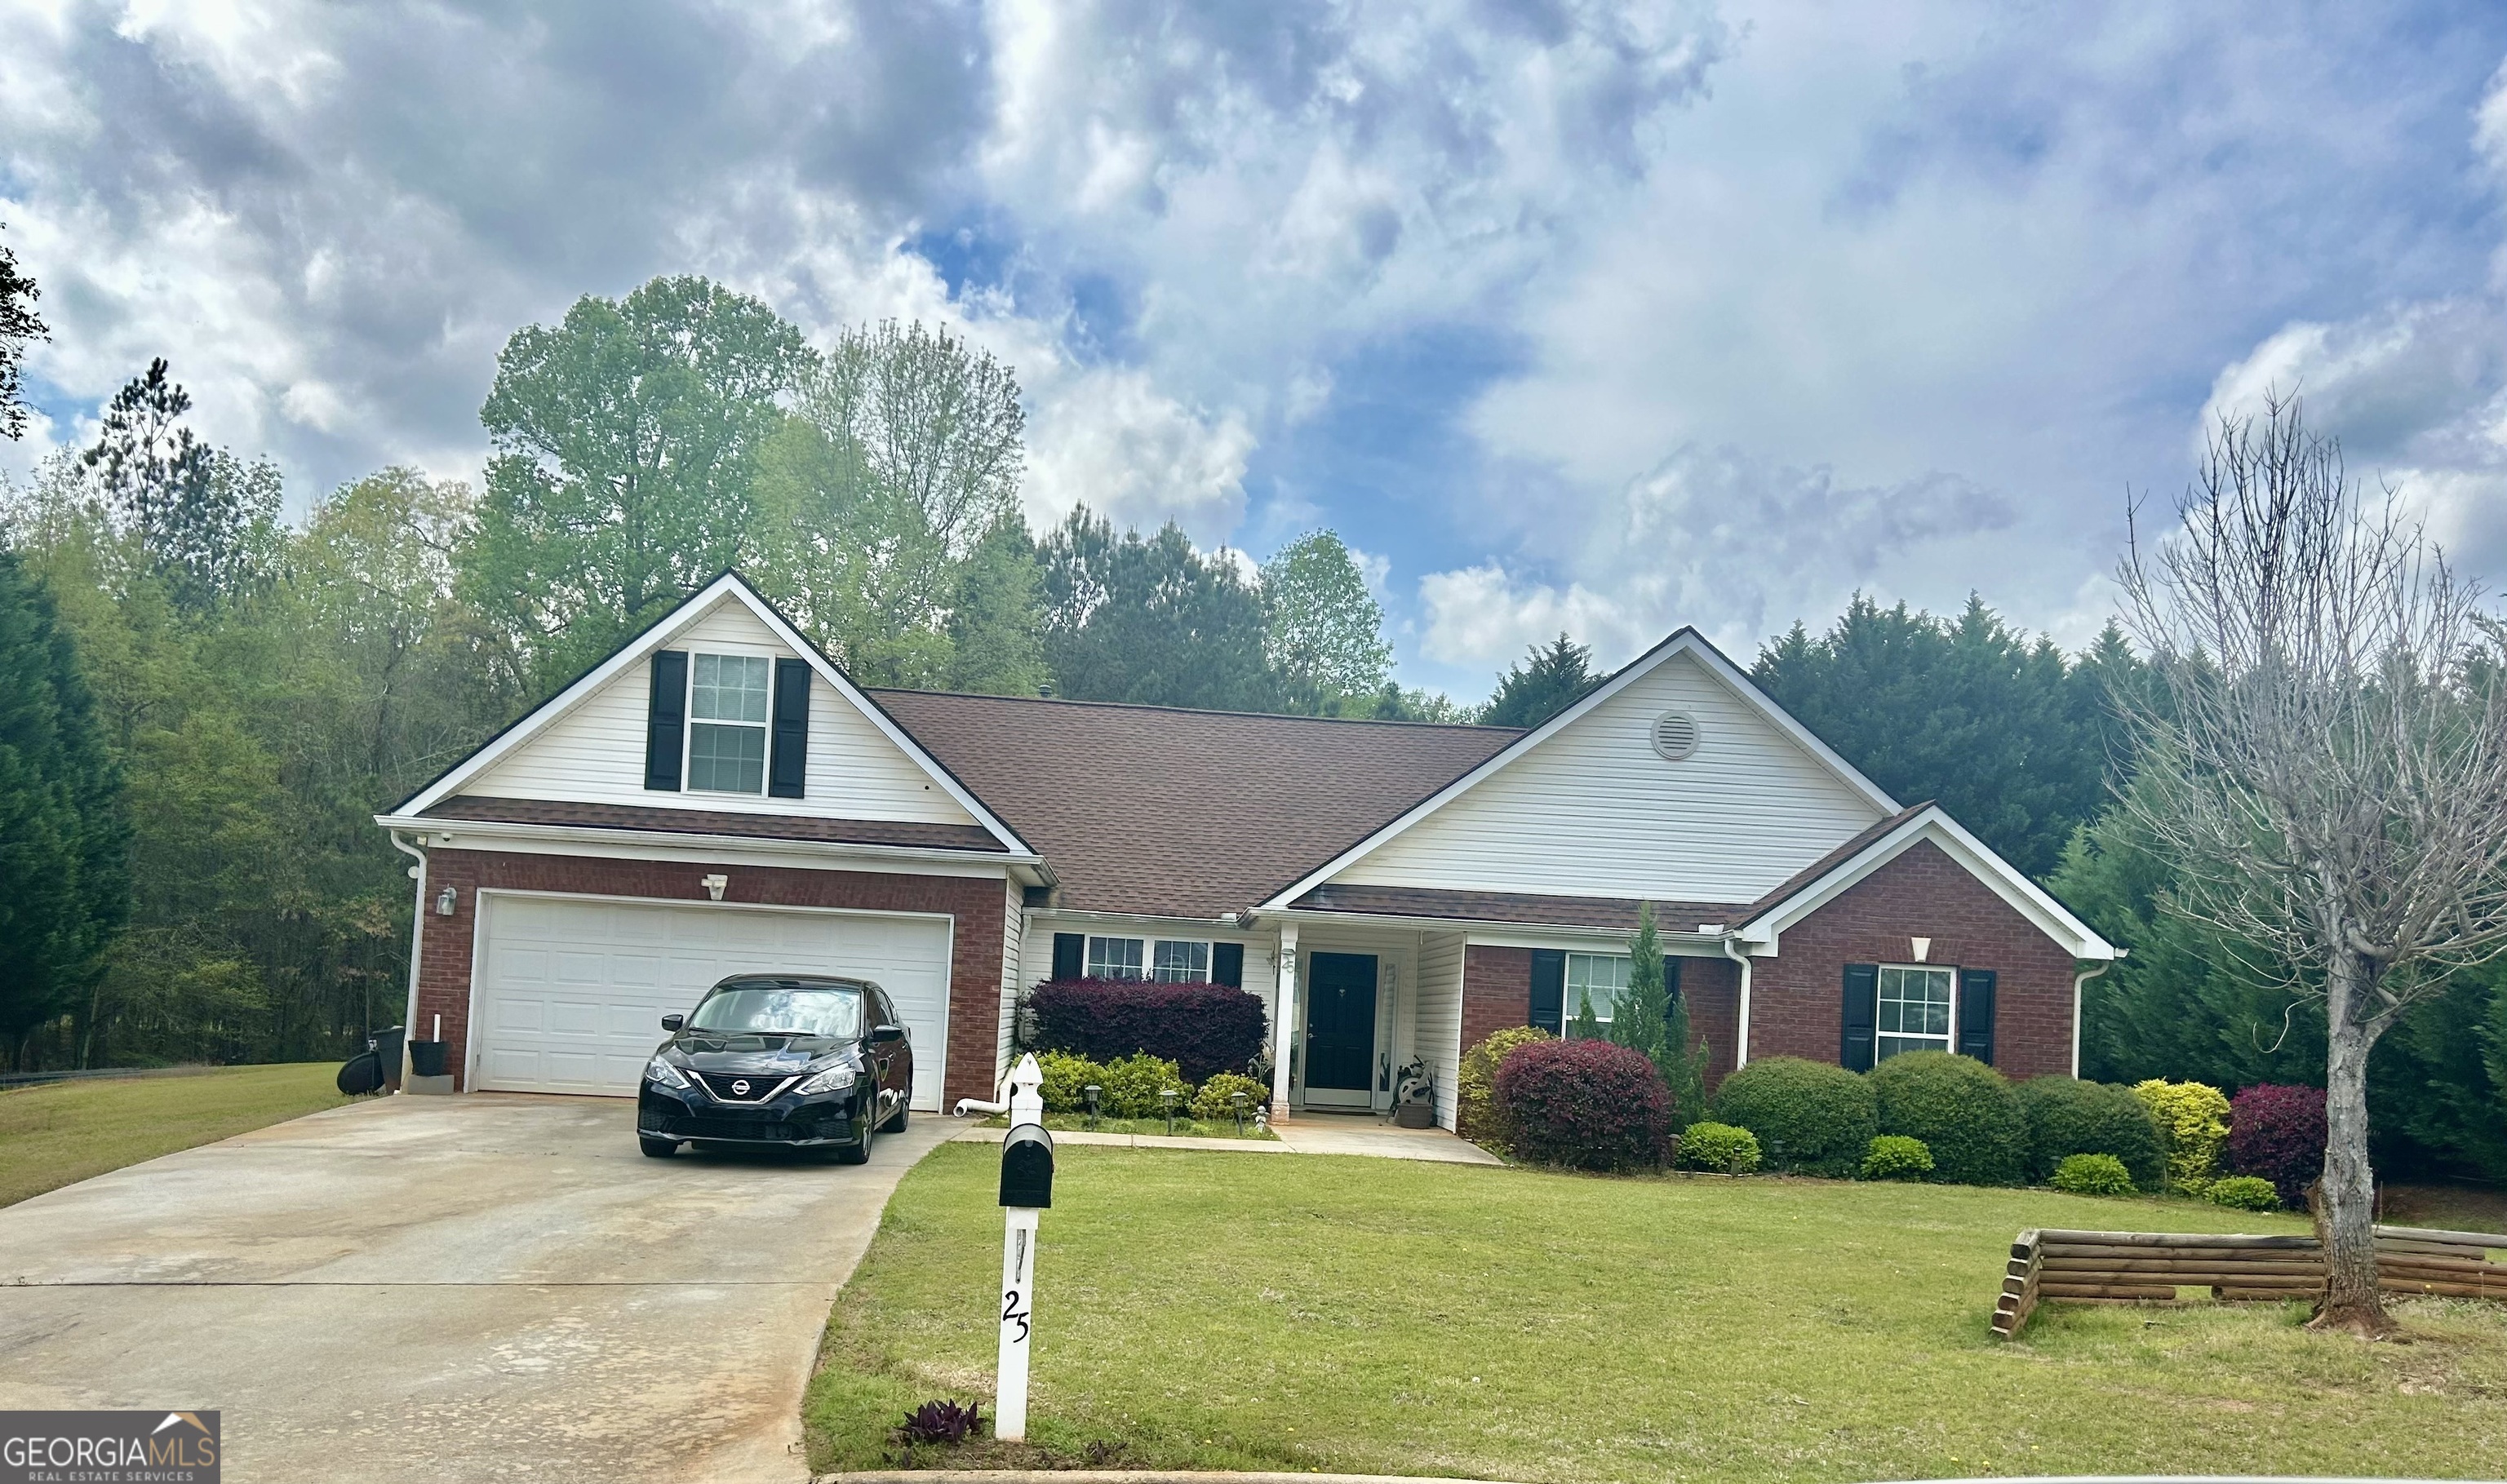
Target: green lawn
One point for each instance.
(58, 1133)
(1185, 1128)
(1215, 1311)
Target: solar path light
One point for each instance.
(1168, 1096)
(1091, 1092)
(1027, 1188)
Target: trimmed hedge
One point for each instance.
(2243, 1192)
(1066, 1076)
(1962, 1110)
(1203, 1028)
(1133, 1083)
(1719, 1147)
(2277, 1133)
(1478, 1116)
(2067, 1117)
(1587, 1105)
(1810, 1116)
(2093, 1175)
(1213, 1103)
(1896, 1157)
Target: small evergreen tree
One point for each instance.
(1637, 1013)
(1586, 1027)
(1548, 680)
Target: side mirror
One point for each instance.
(886, 1034)
(674, 1022)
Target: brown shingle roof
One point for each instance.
(711, 821)
(1803, 879)
(1184, 814)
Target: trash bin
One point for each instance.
(387, 1044)
(427, 1058)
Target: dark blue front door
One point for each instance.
(1340, 1022)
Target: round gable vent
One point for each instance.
(1675, 735)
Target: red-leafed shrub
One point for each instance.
(2277, 1133)
(1201, 1028)
(1587, 1104)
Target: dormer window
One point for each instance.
(727, 710)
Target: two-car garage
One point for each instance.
(568, 991)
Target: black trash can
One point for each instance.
(427, 1058)
(386, 1043)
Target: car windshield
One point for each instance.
(815, 1011)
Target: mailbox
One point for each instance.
(1027, 1168)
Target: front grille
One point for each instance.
(761, 1085)
(773, 1129)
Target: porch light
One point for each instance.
(1090, 1092)
(446, 900)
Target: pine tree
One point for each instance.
(1586, 1027)
(1637, 1011)
(1548, 680)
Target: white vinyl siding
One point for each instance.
(1436, 1036)
(595, 753)
(1595, 810)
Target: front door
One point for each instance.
(1340, 1030)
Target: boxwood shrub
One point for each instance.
(1810, 1116)
(1962, 1110)
(1720, 1147)
(1214, 1104)
(1066, 1076)
(1133, 1084)
(2243, 1192)
(1201, 1028)
(1896, 1157)
(2067, 1116)
(2093, 1175)
(1586, 1104)
(1479, 1115)
(2277, 1133)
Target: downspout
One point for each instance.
(1740, 1038)
(2077, 980)
(416, 936)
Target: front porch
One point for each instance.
(1353, 1004)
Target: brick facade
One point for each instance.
(1797, 1000)
(1497, 990)
(1713, 989)
(978, 906)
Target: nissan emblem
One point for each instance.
(740, 1089)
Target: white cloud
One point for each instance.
(1109, 439)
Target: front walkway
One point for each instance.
(1310, 1133)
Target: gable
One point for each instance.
(1591, 809)
(593, 752)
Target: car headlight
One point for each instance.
(659, 1070)
(834, 1079)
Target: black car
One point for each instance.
(788, 1059)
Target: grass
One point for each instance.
(1201, 1310)
(56, 1134)
(1185, 1126)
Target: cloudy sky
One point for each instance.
(1585, 316)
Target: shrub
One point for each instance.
(1588, 1105)
(2067, 1116)
(1479, 1116)
(1720, 1147)
(1211, 1105)
(1066, 1076)
(1962, 1110)
(2194, 1121)
(2243, 1192)
(1201, 1028)
(2277, 1133)
(1896, 1157)
(1808, 1116)
(2093, 1175)
(1132, 1087)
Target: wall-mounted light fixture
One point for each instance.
(713, 886)
(446, 900)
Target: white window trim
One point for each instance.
(1948, 1040)
(688, 727)
(1601, 1007)
(1150, 955)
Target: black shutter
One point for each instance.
(1671, 986)
(1976, 1014)
(1228, 964)
(665, 720)
(1550, 990)
(1070, 955)
(787, 760)
(1862, 1007)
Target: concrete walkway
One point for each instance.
(1310, 1134)
(449, 1288)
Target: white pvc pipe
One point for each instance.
(2077, 980)
(416, 936)
(1740, 1038)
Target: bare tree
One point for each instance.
(2327, 765)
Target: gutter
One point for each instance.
(416, 936)
(2078, 979)
(1741, 1037)
(571, 834)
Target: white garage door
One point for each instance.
(568, 994)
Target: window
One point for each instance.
(1915, 1009)
(1599, 977)
(1177, 961)
(1180, 963)
(1114, 958)
(727, 723)
(756, 1009)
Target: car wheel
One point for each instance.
(855, 1153)
(659, 1149)
(895, 1125)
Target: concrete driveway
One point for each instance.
(422, 1289)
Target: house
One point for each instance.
(718, 797)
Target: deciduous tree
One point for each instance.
(1322, 629)
(19, 327)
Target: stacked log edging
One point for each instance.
(2150, 1267)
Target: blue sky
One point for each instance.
(1602, 318)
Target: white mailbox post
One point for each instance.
(1027, 1188)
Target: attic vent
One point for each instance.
(1675, 735)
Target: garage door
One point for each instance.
(570, 994)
